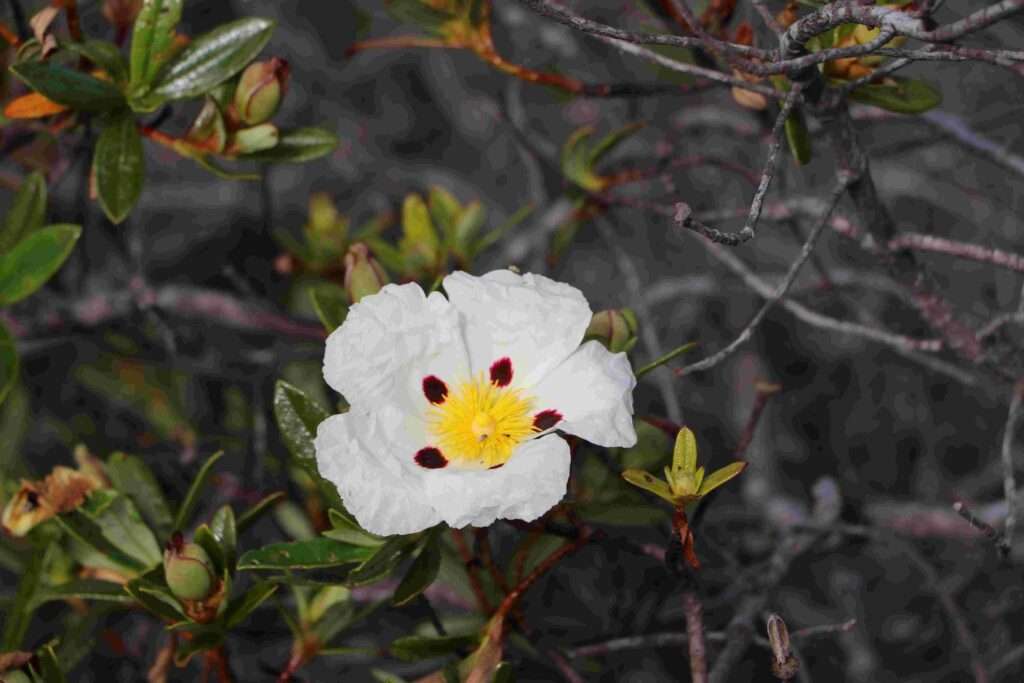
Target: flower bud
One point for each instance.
(363, 274)
(255, 139)
(188, 570)
(260, 90)
(616, 329)
(208, 130)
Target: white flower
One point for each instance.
(455, 401)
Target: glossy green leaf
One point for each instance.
(204, 538)
(347, 530)
(720, 476)
(212, 58)
(296, 146)
(421, 573)
(119, 165)
(798, 138)
(86, 531)
(155, 599)
(382, 560)
(297, 417)
(902, 95)
(103, 54)
(315, 553)
(27, 212)
(256, 511)
(330, 304)
(133, 477)
(195, 491)
(225, 531)
(649, 482)
(153, 39)
(9, 362)
(86, 589)
(71, 88)
(411, 648)
(32, 261)
(119, 521)
(239, 609)
(18, 614)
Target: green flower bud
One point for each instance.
(16, 676)
(363, 274)
(260, 90)
(255, 139)
(616, 329)
(188, 570)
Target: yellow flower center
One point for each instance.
(480, 423)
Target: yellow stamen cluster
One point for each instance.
(481, 423)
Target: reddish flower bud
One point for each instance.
(260, 90)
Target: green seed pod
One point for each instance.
(616, 329)
(188, 570)
(260, 90)
(363, 274)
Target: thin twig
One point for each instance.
(984, 527)
(1009, 484)
(694, 613)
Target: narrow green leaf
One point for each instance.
(32, 261)
(212, 58)
(103, 54)
(330, 304)
(798, 138)
(86, 589)
(156, 600)
(18, 615)
(297, 417)
(47, 665)
(9, 362)
(254, 513)
(192, 497)
(420, 244)
(421, 573)
(649, 482)
(297, 146)
(133, 477)
(221, 172)
(27, 212)
(152, 39)
(684, 453)
(315, 553)
(411, 648)
(382, 560)
(720, 476)
(902, 95)
(225, 531)
(119, 165)
(346, 529)
(120, 523)
(242, 607)
(204, 538)
(71, 88)
(206, 639)
(658, 362)
(610, 142)
(419, 13)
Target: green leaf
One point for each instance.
(242, 607)
(330, 304)
(156, 599)
(257, 510)
(381, 561)
(27, 212)
(133, 477)
(419, 13)
(421, 573)
(411, 648)
(315, 553)
(798, 138)
(296, 146)
(610, 142)
(225, 531)
(47, 665)
(220, 171)
(385, 677)
(34, 260)
(153, 39)
(19, 613)
(649, 482)
(904, 96)
(205, 539)
(103, 54)
(205, 639)
(192, 497)
(9, 362)
(86, 589)
(505, 673)
(297, 417)
(720, 476)
(84, 530)
(444, 211)
(420, 244)
(347, 530)
(119, 166)
(684, 453)
(212, 58)
(71, 88)
(119, 521)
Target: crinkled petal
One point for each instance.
(593, 391)
(534, 321)
(355, 452)
(532, 482)
(389, 342)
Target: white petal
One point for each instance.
(534, 321)
(528, 485)
(356, 452)
(389, 342)
(593, 390)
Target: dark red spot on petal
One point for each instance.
(546, 419)
(431, 458)
(501, 372)
(494, 467)
(434, 389)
